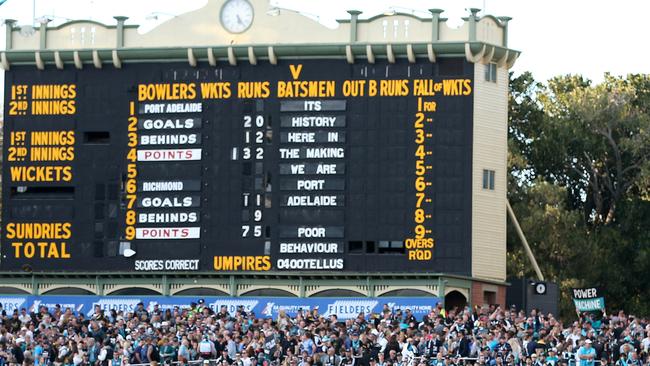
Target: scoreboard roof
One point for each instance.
(199, 36)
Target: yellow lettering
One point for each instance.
(64, 251)
(242, 263)
(72, 91)
(419, 243)
(295, 70)
(306, 89)
(29, 250)
(45, 173)
(453, 87)
(42, 245)
(253, 89)
(467, 83)
(53, 107)
(41, 250)
(53, 251)
(372, 88)
(354, 88)
(423, 87)
(52, 138)
(174, 91)
(419, 255)
(394, 88)
(39, 230)
(238, 260)
(54, 91)
(215, 90)
(51, 154)
(17, 247)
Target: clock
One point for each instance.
(236, 15)
(540, 288)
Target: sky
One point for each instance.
(555, 37)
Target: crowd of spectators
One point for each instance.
(491, 336)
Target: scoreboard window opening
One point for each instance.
(97, 137)
(390, 247)
(24, 192)
(100, 191)
(376, 247)
(123, 247)
(100, 211)
(113, 191)
(355, 247)
(112, 210)
(112, 248)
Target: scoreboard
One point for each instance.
(307, 165)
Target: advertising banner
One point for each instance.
(343, 308)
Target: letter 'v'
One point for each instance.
(295, 70)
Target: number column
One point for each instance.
(252, 153)
(420, 248)
(130, 185)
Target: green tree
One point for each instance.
(595, 140)
(579, 179)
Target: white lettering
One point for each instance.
(301, 137)
(311, 201)
(308, 121)
(300, 248)
(168, 217)
(181, 139)
(325, 152)
(167, 201)
(297, 168)
(162, 186)
(326, 169)
(311, 232)
(168, 265)
(168, 124)
(289, 153)
(324, 264)
(310, 185)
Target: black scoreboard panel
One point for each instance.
(307, 165)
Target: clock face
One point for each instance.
(540, 288)
(236, 15)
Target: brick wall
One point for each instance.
(477, 293)
(501, 296)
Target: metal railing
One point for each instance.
(574, 362)
(212, 362)
(411, 362)
(414, 361)
(179, 363)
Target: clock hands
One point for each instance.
(236, 15)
